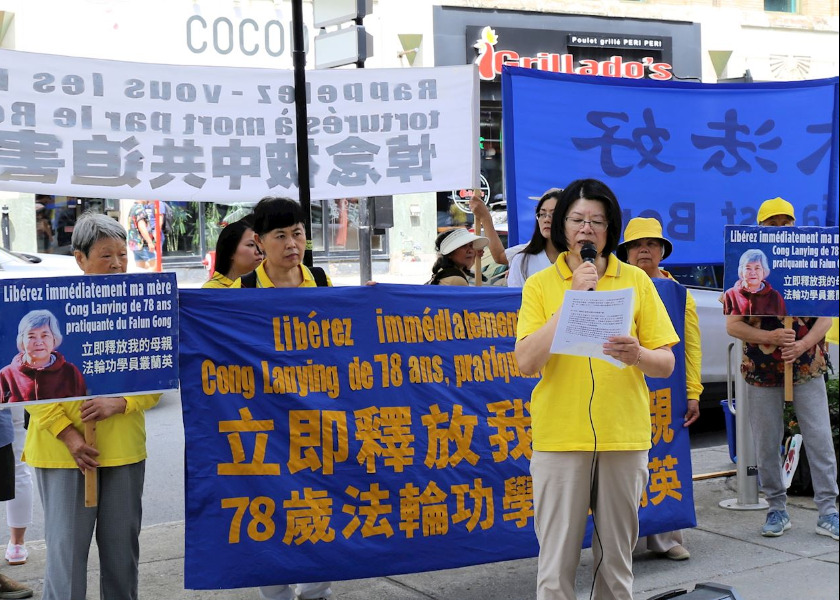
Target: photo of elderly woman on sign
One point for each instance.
(39, 371)
(590, 419)
(752, 294)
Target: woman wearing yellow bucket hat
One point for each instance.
(645, 247)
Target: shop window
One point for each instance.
(190, 229)
(787, 6)
(62, 212)
(335, 229)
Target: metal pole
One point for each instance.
(365, 269)
(299, 62)
(746, 469)
(365, 220)
(5, 227)
(202, 232)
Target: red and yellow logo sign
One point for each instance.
(490, 61)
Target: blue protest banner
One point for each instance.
(359, 432)
(86, 336)
(782, 271)
(669, 495)
(695, 156)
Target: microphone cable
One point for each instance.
(593, 485)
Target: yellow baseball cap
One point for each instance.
(640, 228)
(776, 206)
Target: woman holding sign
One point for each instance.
(590, 419)
(457, 249)
(768, 346)
(645, 247)
(56, 447)
(280, 231)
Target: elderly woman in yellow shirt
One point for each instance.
(56, 448)
(645, 247)
(590, 419)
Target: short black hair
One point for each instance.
(272, 213)
(587, 189)
(228, 242)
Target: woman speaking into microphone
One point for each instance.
(590, 419)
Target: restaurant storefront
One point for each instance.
(562, 43)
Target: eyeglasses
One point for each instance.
(544, 214)
(576, 223)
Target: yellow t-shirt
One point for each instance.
(832, 336)
(263, 281)
(620, 404)
(218, 281)
(120, 439)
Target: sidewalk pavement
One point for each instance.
(726, 548)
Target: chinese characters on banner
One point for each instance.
(109, 334)
(338, 437)
(697, 157)
(782, 271)
(99, 128)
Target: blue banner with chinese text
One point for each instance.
(360, 432)
(695, 156)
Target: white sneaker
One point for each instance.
(16, 554)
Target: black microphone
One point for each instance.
(589, 254)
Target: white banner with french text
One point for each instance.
(109, 129)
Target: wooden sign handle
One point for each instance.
(788, 368)
(477, 225)
(90, 474)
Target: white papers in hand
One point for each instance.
(589, 319)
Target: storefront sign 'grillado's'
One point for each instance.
(490, 61)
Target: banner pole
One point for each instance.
(477, 227)
(158, 243)
(90, 474)
(477, 267)
(301, 133)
